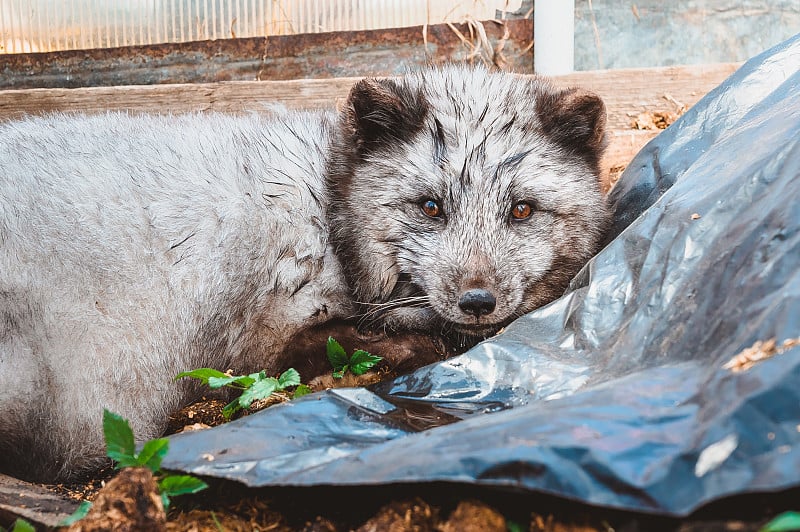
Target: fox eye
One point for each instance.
(431, 208)
(521, 210)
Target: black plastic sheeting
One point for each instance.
(615, 394)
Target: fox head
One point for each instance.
(462, 199)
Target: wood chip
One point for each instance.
(757, 352)
(654, 120)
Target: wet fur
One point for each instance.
(135, 247)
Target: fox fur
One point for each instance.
(135, 247)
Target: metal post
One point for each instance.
(554, 37)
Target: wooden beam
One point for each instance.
(226, 96)
(627, 93)
(34, 503)
(383, 52)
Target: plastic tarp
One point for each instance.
(616, 394)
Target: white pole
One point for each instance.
(553, 37)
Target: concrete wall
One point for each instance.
(641, 33)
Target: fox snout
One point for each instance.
(477, 302)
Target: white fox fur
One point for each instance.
(136, 247)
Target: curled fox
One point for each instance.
(448, 201)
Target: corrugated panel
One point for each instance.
(50, 25)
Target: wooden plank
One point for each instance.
(624, 144)
(229, 96)
(32, 502)
(626, 93)
(384, 52)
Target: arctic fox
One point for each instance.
(448, 201)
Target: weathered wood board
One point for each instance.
(385, 52)
(626, 92)
(31, 502)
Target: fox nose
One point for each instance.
(477, 302)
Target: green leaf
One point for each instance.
(21, 525)
(361, 361)
(124, 461)
(216, 522)
(202, 373)
(339, 374)
(290, 377)
(77, 515)
(259, 390)
(336, 354)
(230, 409)
(301, 390)
(513, 526)
(785, 522)
(174, 485)
(242, 380)
(120, 446)
(152, 453)
(165, 501)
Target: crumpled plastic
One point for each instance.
(619, 393)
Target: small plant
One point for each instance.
(254, 387)
(358, 363)
(121, 447)
(20, 525)
(77, 515)
(785, 522)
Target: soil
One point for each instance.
(761, 350)
(128, 503)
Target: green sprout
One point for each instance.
(254, 387)
(358, 363)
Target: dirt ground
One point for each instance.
(128, 502)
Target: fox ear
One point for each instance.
(576, 120)
(381, 111)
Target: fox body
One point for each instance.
(448, 201)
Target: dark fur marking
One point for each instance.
(513, 161)
(383, 110)
(510, 163)
(508, 125)
(439, 144)
(300, 286)
(173, 246)
(483, 113)
(575, 119)
(464, 175)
